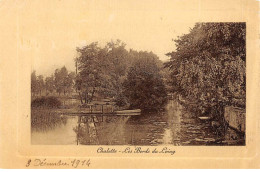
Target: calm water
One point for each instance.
(175, 126)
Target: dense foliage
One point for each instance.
(37, 84)
(114, 72)
(208, 66)
(99, 70)
(144, 86)
(132, 79)
(46, 102)
(61, 81)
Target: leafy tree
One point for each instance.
(208, 67)
(33, 83)
(105, 72)
(144, 85)
(49, 84)
(40, 84)
(69, 82)
(58, 81)
(118, 61)
(93, 74)
(63, 81)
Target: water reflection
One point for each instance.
(45, 120)
(61, 134)
(174, 126)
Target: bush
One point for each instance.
(144, 85)
(46, 102)
(121, 100)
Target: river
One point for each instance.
(174, 126)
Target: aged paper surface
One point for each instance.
(43, 36)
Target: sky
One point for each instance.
(49, 35)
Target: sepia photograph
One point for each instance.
(190, 90)
(129, 84)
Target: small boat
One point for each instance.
(204, 117)
(129, 112)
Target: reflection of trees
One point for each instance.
(104, 130)
(179, 125)
(174, 122)
(45, 119)
(146, 129)
(111, 130)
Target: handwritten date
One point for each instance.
(74, 163)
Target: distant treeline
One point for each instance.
(61, 82)
(133, 79)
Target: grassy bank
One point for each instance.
(45, 119)
(42, 115)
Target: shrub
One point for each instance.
(144, 86)
(46, 102)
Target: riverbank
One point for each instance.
(174, 126)
(230, 129)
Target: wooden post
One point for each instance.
(132, 135)
(79, 121)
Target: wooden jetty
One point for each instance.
(87, 112)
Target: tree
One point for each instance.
(69, 82)
(62, 81)
(208, 67)
(40, 84)
(49, 84)
(118, 59)
(93, 75)
(102, 72)
(144, 85)
(33, 83)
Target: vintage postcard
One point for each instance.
(129, 84)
